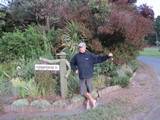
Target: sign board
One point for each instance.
(47, 67)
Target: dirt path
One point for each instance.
(141, 99)
(143, 95)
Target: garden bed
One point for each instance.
(42, 105)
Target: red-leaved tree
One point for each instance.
(119, 27)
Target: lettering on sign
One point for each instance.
(47, 67)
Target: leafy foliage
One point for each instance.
(157, 27)
(7, 71)
(25, 69)
(47, 83)
(28, 44)
(72, 35)
(125, 28)
(146, 11)
(73, 84)
(122, 81)
(29, 88)
(107, 68)
(101, 24)
(115, 26)
(157, 24)
(153, 38)
(133, 65)
(23, 13)
(122, 1)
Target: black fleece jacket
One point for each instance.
(84, 63)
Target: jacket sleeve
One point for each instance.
(73, 63)
(99, 58)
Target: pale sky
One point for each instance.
(155, 4)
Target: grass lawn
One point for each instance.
(150, 52)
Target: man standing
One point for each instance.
(83, 63)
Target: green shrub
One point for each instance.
(33, 89)
(124, 73)
(25, 69)
(73, 84)
(133, 65)
(108, 68)
(122, 81)
(8, 69)
(47, 83)
(71, 37)
(27, 89)
(27, 44)
(19, 86)
(100, 10)
(5, 76)
(124, 53)
(5, 87)
(100, 81)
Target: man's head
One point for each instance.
(82, 47)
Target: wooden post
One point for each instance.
(63, 71)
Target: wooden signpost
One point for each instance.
(59, 65)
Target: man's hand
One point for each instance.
(76, 71)
(111, 56)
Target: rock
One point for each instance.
(40, 104)
(77, 99)
(20, 103)
(60, 104)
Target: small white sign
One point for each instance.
(46, 67)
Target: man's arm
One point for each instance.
(100, 59)
(73, 63)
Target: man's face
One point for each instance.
(82, 49)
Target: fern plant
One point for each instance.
(73, 34)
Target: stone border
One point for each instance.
(62, 105)
(108, 90)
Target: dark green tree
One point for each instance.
(157, 30)
(154, 37)
(157, 26)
